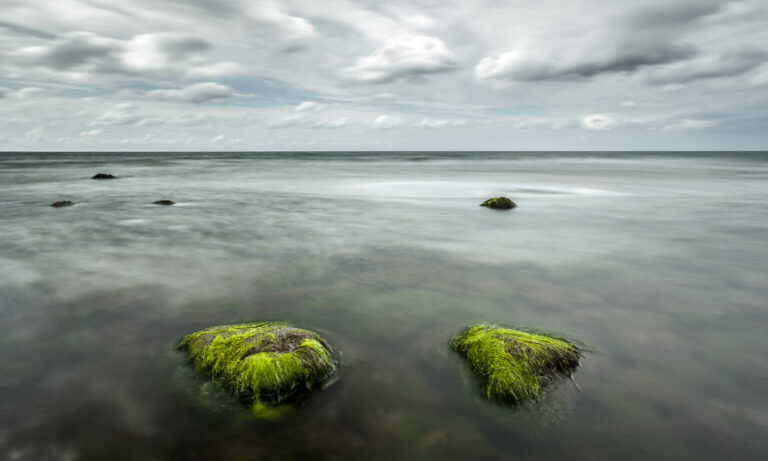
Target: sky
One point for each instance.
(268, 75)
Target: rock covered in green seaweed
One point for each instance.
(515, 366)
(499, 203)
(261, 363)
(62, 203)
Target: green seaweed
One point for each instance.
(499, 203)
(261, 363)
(515, 366)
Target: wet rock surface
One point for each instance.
(499, 203)
(262, 363)
(515, 366)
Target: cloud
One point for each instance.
(404, 57)
(305, 106)
(197, 93)
(598, 122)
(155, 53)
(429, 123)
(35, 134)
(122, 114)
(689, 124)
(639, 37)
(217, 139)
(302, 121)
(91, 133)
(711, 66)
(386, 121)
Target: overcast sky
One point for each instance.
(401, 74)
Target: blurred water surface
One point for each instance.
(659, 262)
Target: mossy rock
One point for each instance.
(515, 366)
(262, 363)
(62, 203)
(499, 203)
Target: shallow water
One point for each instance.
(658, 262)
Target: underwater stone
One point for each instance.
(262, 363)
(164, 202)
(103, 176)
(514, 366)
(62, 203)
(499, 203)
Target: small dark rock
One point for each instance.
(499, 203)
(164, 202)
(62, 203)
(103, 176)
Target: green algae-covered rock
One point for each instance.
(261, 363)
(515, 366)
(499, 203)
(62, 203)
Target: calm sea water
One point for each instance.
(658, 262)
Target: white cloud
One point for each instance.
(197, 93)
(217, 139)
(91, 133)
(403, 57)
(305, 106)
(689, 124)
(35, 134)
(441, 123)
(386, 121)
(598, 122)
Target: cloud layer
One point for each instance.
(347, 74)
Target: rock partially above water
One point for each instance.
(103, 176)
(515, 366)
(163, 202)
(62, 203)
(499, 203)
(262, 363)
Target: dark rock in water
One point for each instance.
(62, 203)
(103, 176)
(514, 366)
(164, 202)
(262, 364)
(499, 203)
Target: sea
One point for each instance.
(656, 263)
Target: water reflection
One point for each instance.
(664, 277)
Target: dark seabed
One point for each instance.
(658, 262)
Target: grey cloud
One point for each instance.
(81, 48)
(21, 30)
(197, 93)
(643, 37)
(90, 52)
(710, 66)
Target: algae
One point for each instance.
(515, 366)
(62, 203)
(499, 203)
(261, 363)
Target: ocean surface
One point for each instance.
(656, 262)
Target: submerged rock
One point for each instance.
(515, 366)
(62, 203)
(499, 203)
(164, 202)
(262, 363)
(103, 176)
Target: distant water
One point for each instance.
(659, 262)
